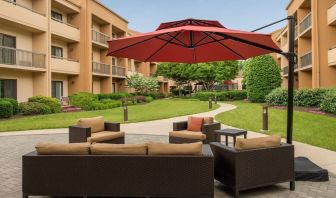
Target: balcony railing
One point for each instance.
(118, 71)
(296, 31)
(306, 60)
(286, 69)
(65, 23)
(332, 14)
(100, 37)
(332, 56)
(101, 68)
(63, 58)
(305, 23)
(22, 6)
(18, 57)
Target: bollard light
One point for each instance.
(264, 118)
(210, 103)
(125, 107)
(215, 99)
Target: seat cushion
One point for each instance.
(63, 149)
(208, 120)
(255, 143)
(188, 134)
(104, 136)
(175, 149)
(118, 149)
(96, 123)
(195, 123)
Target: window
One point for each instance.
(8, 88)
(130, 65)
(114, 61)
(114, 88)
(57, 16)
(57, 89)
(114, 35)
(56, 52)
(7, 55)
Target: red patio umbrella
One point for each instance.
(192, 41)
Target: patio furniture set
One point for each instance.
(97, 162)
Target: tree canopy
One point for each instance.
(142, 84)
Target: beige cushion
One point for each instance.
(63, 149)
(188, 135)
(104, 136)
(254, 143)
(208, 120)
(118, 149)
(96, 123)
(175, 149)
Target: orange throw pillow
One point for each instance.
(195, 124)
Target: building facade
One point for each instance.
(315, 43)
(58, 47)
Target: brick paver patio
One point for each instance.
(13, 147)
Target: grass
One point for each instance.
(158, 109)
(318, 130)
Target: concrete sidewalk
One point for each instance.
(323, 157)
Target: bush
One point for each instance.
(13, 102)
(222, 95)
(328, 103)
(149, 99)
(156, 95)
(6, 109)
(261, 75)
(309, 97)
(34, 108)
(53, 103)
(113, 96)
(84, 100)
(278, 97)
(176, 92)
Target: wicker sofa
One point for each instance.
(206, 135)
(243, 170)
(119, 175)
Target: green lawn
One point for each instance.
(158, 109)
(318, 130)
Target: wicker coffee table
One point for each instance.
(231, 132)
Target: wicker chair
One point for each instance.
(248, 169)
(207, 130)
(83, 134)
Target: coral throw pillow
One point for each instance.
(195, 124)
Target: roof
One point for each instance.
(107, 8)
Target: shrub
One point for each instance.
(149, 99)
(176, 92)
(6, 109)
(309, 97)
(261, 75)
(113, 96)
(328, 103)
(222, 95)
(13, 102)
(156, 95)
(53, 103)
(109, 104)
(84, 100)
(34, 108)
(278, 97)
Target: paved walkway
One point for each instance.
(323, 157)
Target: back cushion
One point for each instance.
(175, 149)
(118, 149)
(63, 149)
(208, 120)
(195, 123)
(255, 143)
(96, 123)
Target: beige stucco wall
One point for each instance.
(95, 85)
(61, 44)
(23, 38)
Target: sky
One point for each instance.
(146, 15)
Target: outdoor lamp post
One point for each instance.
(125, 107)
(264, 119)
(210, 103)
(215, 99)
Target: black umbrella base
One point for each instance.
(306, 170)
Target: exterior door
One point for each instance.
(7, 49)
(57, 89)
(114, 88)
(8, 88)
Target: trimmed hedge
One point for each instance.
(84, 100)
(222, 95)
(53, 103)
(34, 108)
(6, 109)
(329, 101)
(113, 96)
(14, 103)
(278, 97)
(156, 95)
(309, 97)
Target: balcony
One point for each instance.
(64, 65)
(118, 71)
(64, 31)
(100, 69)
(306, 61)
(332, 56)
(296, 32)
(22, 59)
(305, 26)
(332, 15)
(285, 70)
(100, 39)
(66, 5)
(28, 19)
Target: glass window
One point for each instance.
(57, 89)
(114, 61)
(8, 88)
(57, 16)
(56, 52)
(7, 55)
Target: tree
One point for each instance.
(261, 76)
(141, 84)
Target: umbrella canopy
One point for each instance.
(192, 41)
